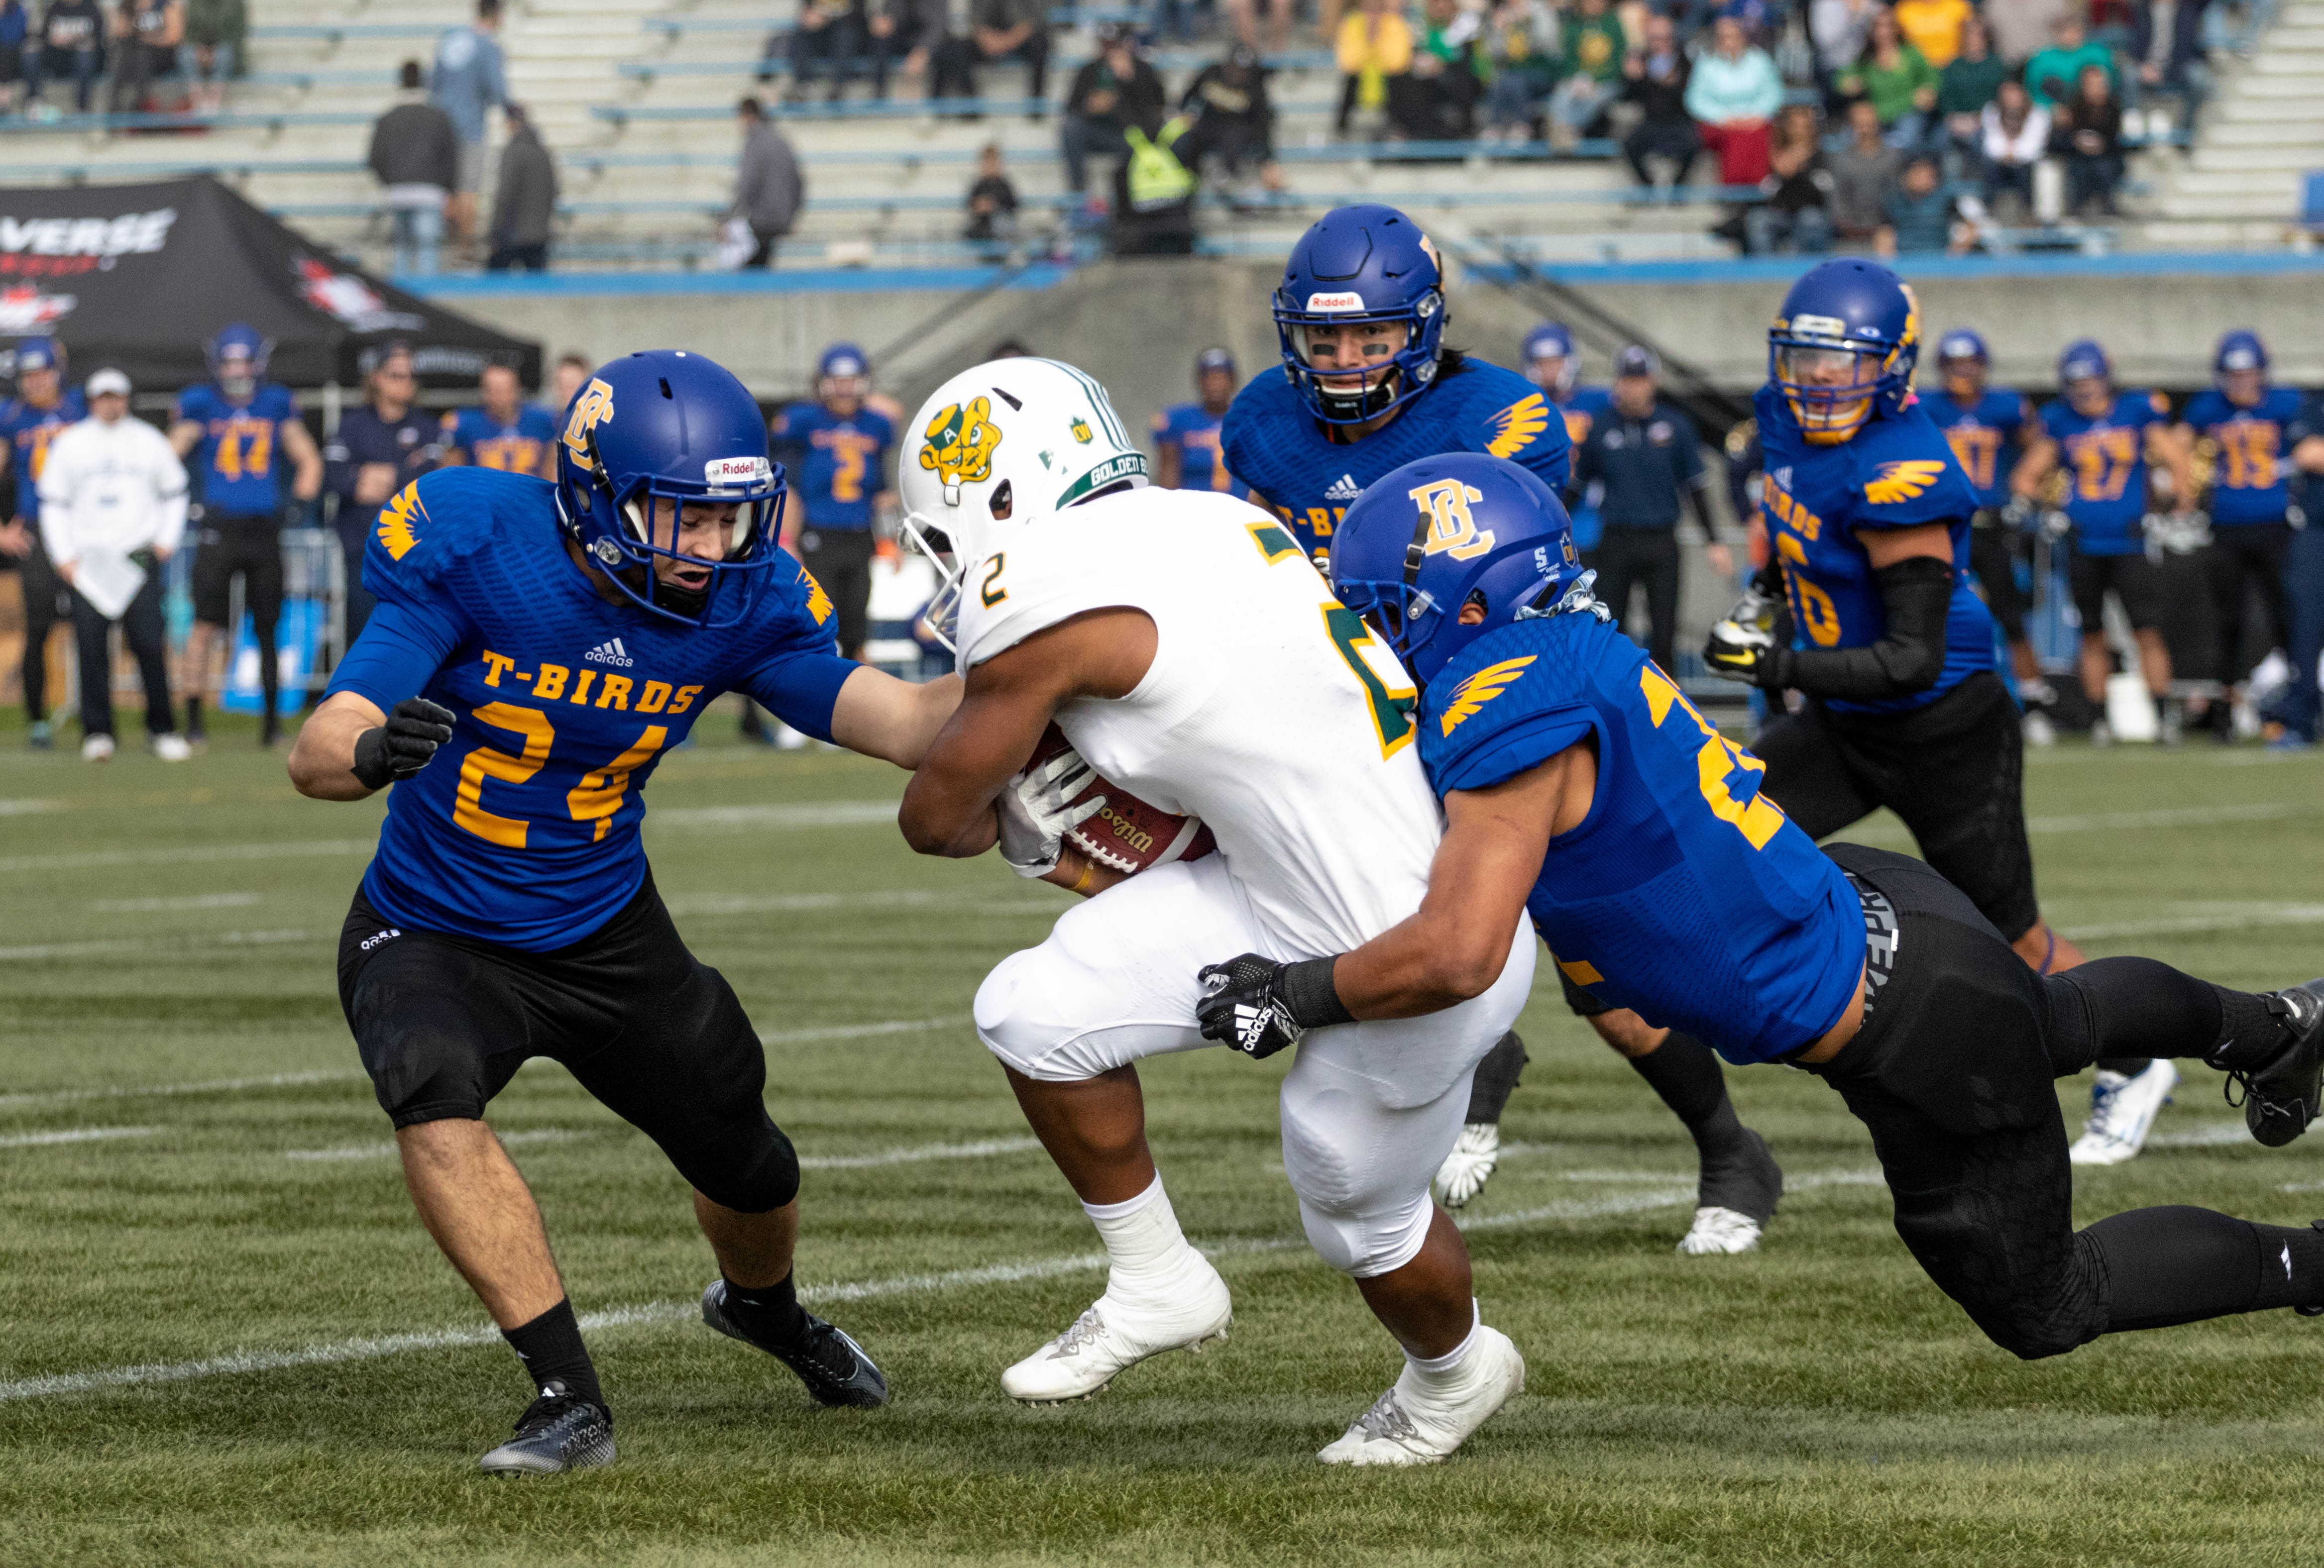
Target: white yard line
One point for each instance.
(175, 906)
(74, 1135)
(91, 860)
(2111, 821)
(862, 1031)
(160, 947)
(204, 1086)
(2210, 1135)
(985, 1150)
(806, 814)
(2242, 917)
(387, 1149)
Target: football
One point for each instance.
(1127, 834)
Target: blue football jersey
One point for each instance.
(2105, 460)
(28, 431)
(2251, 477)
(1684, 894)
(1984, 437)
(836, 466)
(523, 830)
(235, 457)
(527, 445)
(1193, 430)
(1583, 411)
(1277, 446)
(1897, 472)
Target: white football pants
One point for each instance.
(1369, 1109)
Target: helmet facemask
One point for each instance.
(1388, 381)
(1830, 389)
(758, 493)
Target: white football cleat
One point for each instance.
(1469, 1166)
(97, 749)
(1428, 1415)
(2122, 1113)
(1114, 1336)
(172, 748)
(1719, 1231)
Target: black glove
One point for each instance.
(403, 745)
(1258, 1006)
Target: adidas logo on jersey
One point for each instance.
(608, 654)
(1344, 488)
(1783, 476)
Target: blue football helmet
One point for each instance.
(2239, 350)
(1843, 347)
(40, 354)
(1552, 340)
(238, 358)
(2084, 360)
(1963, 343)
(1362, 264)
(843, 361)
(667, 425)
(1423, 541)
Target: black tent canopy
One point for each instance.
(140, 276)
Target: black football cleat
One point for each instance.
(2282, 1098)
(827, 1358)
(557, 1433)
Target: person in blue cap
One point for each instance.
(42, 406)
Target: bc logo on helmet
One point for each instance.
(1445, 502)
(590, 408)
(960, 443)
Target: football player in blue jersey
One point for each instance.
(2105, 440)
(235, 431)
(505, 432)
(2254, 432)
(1186, 451)
(1552, 362)
(42, 406)
(536, 649)
(836, 448)
(1367, 383)
(1987, 427)
(1583, 788)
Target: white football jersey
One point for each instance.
(1270, 711)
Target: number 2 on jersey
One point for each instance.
(595, 798)
(1757, 818)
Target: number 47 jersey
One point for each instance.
(523, 829)
(1269, 711)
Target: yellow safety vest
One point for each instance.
(1157, 178)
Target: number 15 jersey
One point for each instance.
(1269, 711)
(522, 831)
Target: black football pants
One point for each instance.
(141, 624)
(46, 603)
(1646, 557)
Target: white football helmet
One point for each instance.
(1020, 438)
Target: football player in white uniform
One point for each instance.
(1194, 656)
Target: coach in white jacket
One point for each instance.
(113, 510)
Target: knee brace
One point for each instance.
(748, 1166)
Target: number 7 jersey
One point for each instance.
(523, 831)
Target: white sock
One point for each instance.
(1142, 1241)
(1443, 1365)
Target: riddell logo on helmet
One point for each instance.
(735, 471)
(1346, 299)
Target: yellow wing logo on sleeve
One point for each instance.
(1896, 482)
(1514, 429)
(818, 603)
(1472, 694)
(398, 521)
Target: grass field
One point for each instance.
(224, 1338)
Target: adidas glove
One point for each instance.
(403, 745)
(1744, 646)
(1038, 810)
(1258, 1006)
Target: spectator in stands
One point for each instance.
(470, 80)
(1838, 29)
(1154, 191)
(2022, 29)
(2051, 75)
(2167, 45)
(1864, 172)
(1595, 44)
(2087, 133)
(826, 40)
(524, 198)
(769, 189)
(1934, 27)
(998, 30)
(380, 446)
(1965, 86)
(1234, 120)
(1243, 15)
(72, 44)
(572, 373)
(1793, 213)
(1922, 219)
(1656, 78)
(212, 53)
(145, 36)
(2015, 137)
(1901, 84)
(1735, 93)
(1115, 90)
(1522, 46)
(15, 26)
(415, 154)
(1445, 83)
(991, 201)
(113, 502)
(1374, 52)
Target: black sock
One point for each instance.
(1686, 1074)
(551, 1350)
(2114, 1009)
(768, 1314)
(1497, 1079)
(2176, 1265)
(194, 715)
(2249, 1034)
